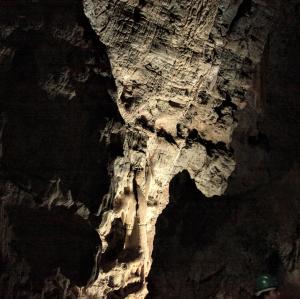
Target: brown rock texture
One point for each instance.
(181, 70)
(56, 103)
(121, 124)
(215, 248)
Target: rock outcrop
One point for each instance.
(182, 69)
(215, 248)
(109, 108)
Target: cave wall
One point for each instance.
(121, 124)
(215, 248)
(182, 70)
(56, 107)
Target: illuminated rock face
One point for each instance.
(104, 103)
(182, 68)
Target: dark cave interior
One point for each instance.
(56, 98)
(201, 245)
(50, 100)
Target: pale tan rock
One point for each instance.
(178, 67)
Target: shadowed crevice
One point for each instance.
(48, 240)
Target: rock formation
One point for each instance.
(111, 108)
(215, 248)
(181, 69)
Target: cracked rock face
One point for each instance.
(105, 104)
(181, 70)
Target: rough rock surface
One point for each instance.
(56, 104)
(215, 248)
(110, 108)
(182, 68)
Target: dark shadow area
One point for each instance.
(266, 142)
(207, 247)
(124, 292)
(189, 224)
(115, 244)
(280, 121)
(48, 240)
(56, 101)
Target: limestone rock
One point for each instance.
(105, 104)
(182, 68)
